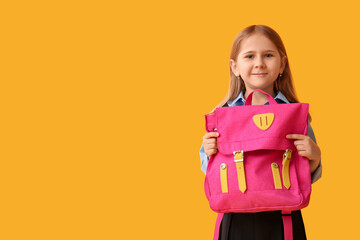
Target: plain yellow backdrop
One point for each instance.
(103, 104)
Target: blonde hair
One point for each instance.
(283, 84)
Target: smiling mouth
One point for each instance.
(259, 74)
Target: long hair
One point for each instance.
(283, 84)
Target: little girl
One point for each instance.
(258, 60)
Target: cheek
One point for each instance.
(275, 67)
(244, 67)
(274, 76)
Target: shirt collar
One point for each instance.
(281, 96)
(235, 102)
(240, 100)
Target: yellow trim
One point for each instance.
(264, 121)
(239, 160)
(241, 176)
(285, 169)
(276, 175)
(223, 178)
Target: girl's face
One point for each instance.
(258, 63)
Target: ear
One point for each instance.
(283, 64)
(233, 67)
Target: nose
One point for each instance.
(259, 63)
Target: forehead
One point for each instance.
(257, 42)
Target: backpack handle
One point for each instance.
(249, 98)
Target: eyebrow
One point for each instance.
(254, 51)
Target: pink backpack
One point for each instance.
(256, 167)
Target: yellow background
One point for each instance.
(102, 106)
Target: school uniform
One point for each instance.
(262, 225)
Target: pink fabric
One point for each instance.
(217, 226)
(287, 222)
(237, 131)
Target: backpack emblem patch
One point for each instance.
(264, 121)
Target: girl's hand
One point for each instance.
(306, 147)
(210, 143)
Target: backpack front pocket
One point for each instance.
(253, 180)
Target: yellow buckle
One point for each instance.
(288, 153)
(238, 156)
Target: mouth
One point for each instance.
(259, 74)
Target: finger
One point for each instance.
(211, 145)
(210, 152)
(295, 136)
(301, 148)
(211, 135)
(298, 142)
(303, 153)
(210, 140)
